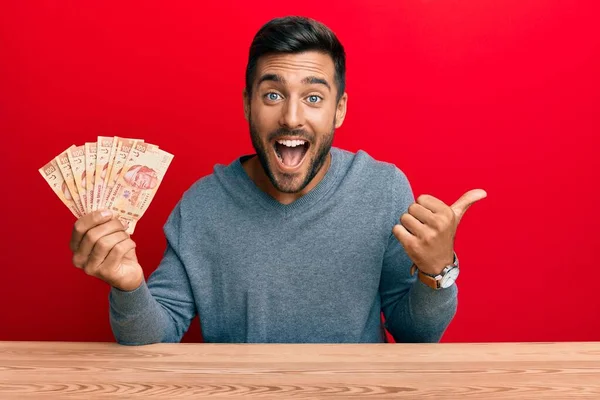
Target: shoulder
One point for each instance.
(381, 182)
(202, 201)
(202, 187)
(377, 185)
(209, 192)
(365, 167)
(211, 187)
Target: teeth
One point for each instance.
(291, 143)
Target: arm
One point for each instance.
(161, 309)
(413, 311)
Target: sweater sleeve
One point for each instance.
(413, 311)
(161, 309)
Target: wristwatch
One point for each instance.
(443, 280)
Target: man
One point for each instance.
(301, 242)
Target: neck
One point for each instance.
(258, 175)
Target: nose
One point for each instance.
(292, 116)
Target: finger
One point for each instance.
(424, 215)
(413, 225)
(431, 203)
(91, 237)
(101, 250)
(85, 223)
(115, 256)
(466, 200)
(403, 235)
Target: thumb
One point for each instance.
(466, 200)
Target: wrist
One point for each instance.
(434, 271)
(129, 286)
(442, 280)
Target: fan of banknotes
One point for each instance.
(114, 173)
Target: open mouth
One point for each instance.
(290, 153)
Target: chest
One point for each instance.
(320, 254)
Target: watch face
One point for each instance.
(449, 278)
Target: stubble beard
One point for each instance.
(290, 183)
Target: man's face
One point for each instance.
(143, 181)
(145, 178)
(292, 115)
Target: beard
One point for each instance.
(291, 183)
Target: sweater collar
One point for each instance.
(306, 201)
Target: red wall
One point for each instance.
(502, 95)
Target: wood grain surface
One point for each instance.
(59, 370)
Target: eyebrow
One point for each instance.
(309, 80)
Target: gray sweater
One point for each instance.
(319, 270)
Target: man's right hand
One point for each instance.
(103, 249)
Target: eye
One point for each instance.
(272, 96)
(314, 98)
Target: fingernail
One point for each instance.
(106, 213)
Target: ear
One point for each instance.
(246, 104)
(340, 111)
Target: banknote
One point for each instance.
(65, 168)
(103, 148)
(54, 178)
(76, 156)
(128, 171)
(90, 173)
(142, 174)
(124, 146)
(111, 160)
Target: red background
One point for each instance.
(502, 95)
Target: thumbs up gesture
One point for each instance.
(428, 229)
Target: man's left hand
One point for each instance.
(428, 229)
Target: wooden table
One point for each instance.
(52, 370)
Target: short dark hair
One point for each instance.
(296, 34)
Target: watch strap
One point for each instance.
(431, 281)
(426, 279)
